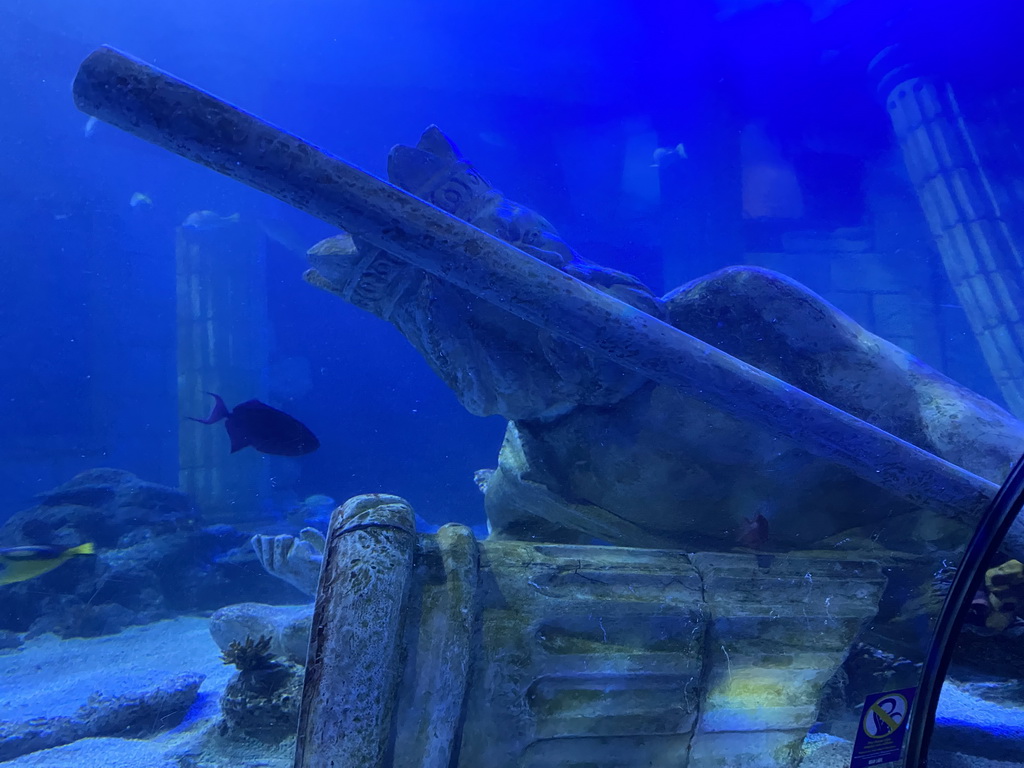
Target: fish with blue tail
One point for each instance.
(23, 563)
(266, 429)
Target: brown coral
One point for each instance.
(251, 655)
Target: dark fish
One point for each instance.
(266, 429)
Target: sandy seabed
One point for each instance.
(49, 678)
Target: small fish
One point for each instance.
(209, 220)
(22, 563)
(266, 429)
(140, 198)
(668, 155)
(90, 126)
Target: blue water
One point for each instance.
(784, 149)
(559, 107)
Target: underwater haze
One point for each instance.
(706, 338)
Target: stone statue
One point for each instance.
(595, 452)
(495, 363)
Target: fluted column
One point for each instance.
(963, 207)
(222, 348)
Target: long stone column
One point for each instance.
(964, 210)
(222, 348)
(159, 108)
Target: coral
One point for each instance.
(1005, 586)
(251, 655)
(269, 713)
(262, 700)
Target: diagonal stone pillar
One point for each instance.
(965, 211)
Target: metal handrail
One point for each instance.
(988, 536)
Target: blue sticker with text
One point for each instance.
(882, 727)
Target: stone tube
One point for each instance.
(440, 651)
(353, 665)
(170, 113)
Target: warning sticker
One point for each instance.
(880, 736)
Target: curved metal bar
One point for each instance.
(995, 522)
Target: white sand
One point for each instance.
(51, 677)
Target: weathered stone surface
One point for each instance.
(666, 465)
(783, 328)
(546, 651)
(444, 636)
(769, 657)
(294, 559)
(287, 626)
(495, 362)
(353, 668)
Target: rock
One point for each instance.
(102, 506)
(982, 719)
(107, 752)
(286, 625)
(137, 714)
(154, 559)
(263, 704)
(10, 641)
(495, 362)
(54, 681)
(783, 328)
(665, 465)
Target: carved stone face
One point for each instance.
(495, 362)
(436, 171)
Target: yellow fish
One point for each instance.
(21, 563)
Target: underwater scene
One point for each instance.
(522, 385)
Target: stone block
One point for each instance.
(991, 246)
(844, 240)
(869, 272)
(959, 254)
(895, 313)
(599, 655)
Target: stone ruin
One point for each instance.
(743, 567)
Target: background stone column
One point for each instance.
(223, 348)
(965, 209)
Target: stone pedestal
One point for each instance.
(222, 348)
(513, 654)
(964, 207)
